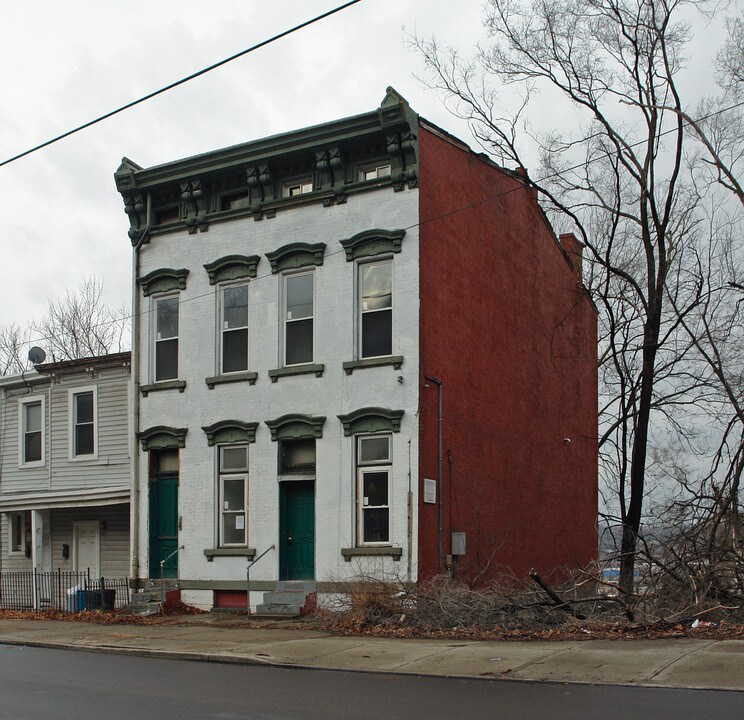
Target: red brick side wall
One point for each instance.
(514, 339)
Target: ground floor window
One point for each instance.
(17, 533)
(374, 472)
(233, 495)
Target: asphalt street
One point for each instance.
(39, 683)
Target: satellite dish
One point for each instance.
(36, 355)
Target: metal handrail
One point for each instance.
(248, 577)
(162, 562)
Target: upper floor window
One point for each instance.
(166, 338)
(83, 420)
(375, 297)
(374, 470)
(233, 328)
(233, 494)
(32, 432)
(374, 171)
(298, 303)
(297, 187)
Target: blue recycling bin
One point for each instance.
(76, 601)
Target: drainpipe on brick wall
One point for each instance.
(440, 555)
(134, 369)
(409, 569)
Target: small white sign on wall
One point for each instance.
(430, 490)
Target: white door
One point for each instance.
(86, 548)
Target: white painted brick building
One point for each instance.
(193, 371)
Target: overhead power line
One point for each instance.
(182, 81)
(441, 216)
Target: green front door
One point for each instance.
(164, 526)
(297, 530)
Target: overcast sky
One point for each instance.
(66, 63)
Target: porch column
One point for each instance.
(37, 548)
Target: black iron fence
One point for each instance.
(58, 590)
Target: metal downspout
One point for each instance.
(440, 555)
(135, 492)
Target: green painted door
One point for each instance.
(164, 526)
(297, 530)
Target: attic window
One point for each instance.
(234, 202)
(375, 171)
(166, 215)
(297, 187)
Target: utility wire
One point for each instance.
(188, 78)
(441, 216)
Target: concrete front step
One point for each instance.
(287, 598)
(278, 610)
(149, 600)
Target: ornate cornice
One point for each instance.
(232, 267)
(163, 280)
(231, 431)
(162, 436)
(373, 242)
(296, 255)
(371, 419)
(296, 426)
(331, 151)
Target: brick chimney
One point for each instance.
(531, 189)
(574, 248)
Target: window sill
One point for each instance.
(83, 458)
(249, 377)
(297, 370)
(372, 551)
(395, 360)
(246, 552)
(167, 385)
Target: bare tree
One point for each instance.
(78, 323)
(14, 343)
(621, 179)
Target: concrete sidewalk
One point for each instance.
(683, 663)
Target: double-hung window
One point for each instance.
(32, 432)
(233, 328)
(83, 421)
(16, 533)
(166, 338)
(233, 495)
(299, 301)
(374, 471)
(375, 297)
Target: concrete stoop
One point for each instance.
(153, 596)
(288, 599)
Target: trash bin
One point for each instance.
(76, 601)
(92, 599)
(108, 599)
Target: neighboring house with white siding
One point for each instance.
(65, 467)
